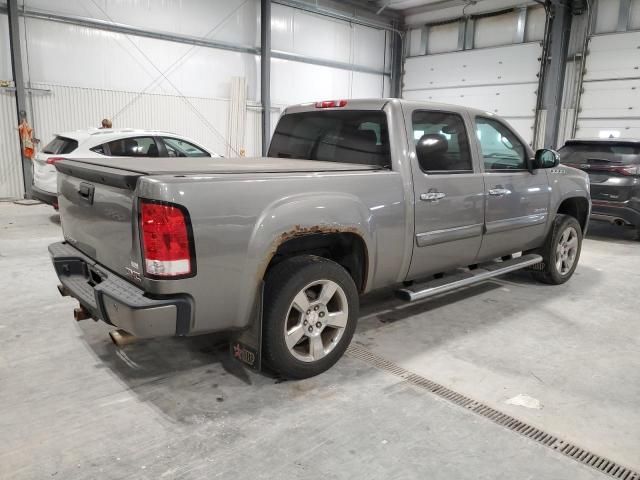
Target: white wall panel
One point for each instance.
(610, 104)
(634, 15)
(296, 31)
(504, 100)
(11, 183)
(414, 37)
(500, 66)
(367, 85)
(536, 21)
(234, 21)
(501, 80)
(613, 56)
(497, 30)
(620, 128)
(443, 38)
(607, 15)
(5, 54)
(369, 47)
(84, 57)
(295, 82)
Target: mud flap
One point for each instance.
(246, 345)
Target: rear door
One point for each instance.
(449, 193)
(517, 200)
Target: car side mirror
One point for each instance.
(546, 158)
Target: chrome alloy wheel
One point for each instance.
(566, 250)
(316, 320)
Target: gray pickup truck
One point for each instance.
(354, 196)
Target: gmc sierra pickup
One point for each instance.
(354, 196)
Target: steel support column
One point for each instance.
(553, 83)
(18, 80)
(397, 50)
(265, 72)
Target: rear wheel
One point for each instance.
(561, 251)
(310, 314)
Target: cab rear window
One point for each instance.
(60, 145)
(348, 136)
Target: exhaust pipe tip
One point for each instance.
(619, 222)
(63, 290)
(121, 338)
(80, 313)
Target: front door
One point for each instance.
(449, 193)
(517, 200)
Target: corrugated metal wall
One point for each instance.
(65, 108)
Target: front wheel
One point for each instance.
(310, 314)
(561, 251)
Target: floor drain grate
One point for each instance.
(590, 459)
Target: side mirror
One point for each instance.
(546, 158)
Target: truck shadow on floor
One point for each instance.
(192, 378)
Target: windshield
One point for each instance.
(597, 152)
(333, 136)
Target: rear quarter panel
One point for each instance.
(240, 220)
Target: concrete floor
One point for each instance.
(74, 406)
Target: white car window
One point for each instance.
(181, 148)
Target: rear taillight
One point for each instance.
(167, 242)
(54, 160)
(630, 170)
(331, 104)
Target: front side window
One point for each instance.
(133, 147)
(180, 148)
(501, 149)
(441, 141)
(346, 136)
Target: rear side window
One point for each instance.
(133, 147)
(345, 136)
(60, 145)
(180, 148)
(442, 144)
(595, 152)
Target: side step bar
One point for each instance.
(461, 280)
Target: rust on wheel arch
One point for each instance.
(300, 231)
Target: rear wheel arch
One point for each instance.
(346, 248)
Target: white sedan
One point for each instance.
(104, 143)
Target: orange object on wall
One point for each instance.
(26, 137)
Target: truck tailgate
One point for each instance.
(98, 214)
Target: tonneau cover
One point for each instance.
(213, 165)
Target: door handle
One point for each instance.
(499, 192)
(432, 196)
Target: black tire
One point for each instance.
(548, 271)
(283, 282)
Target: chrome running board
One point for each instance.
(484, 272)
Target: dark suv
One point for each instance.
(613, 166)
